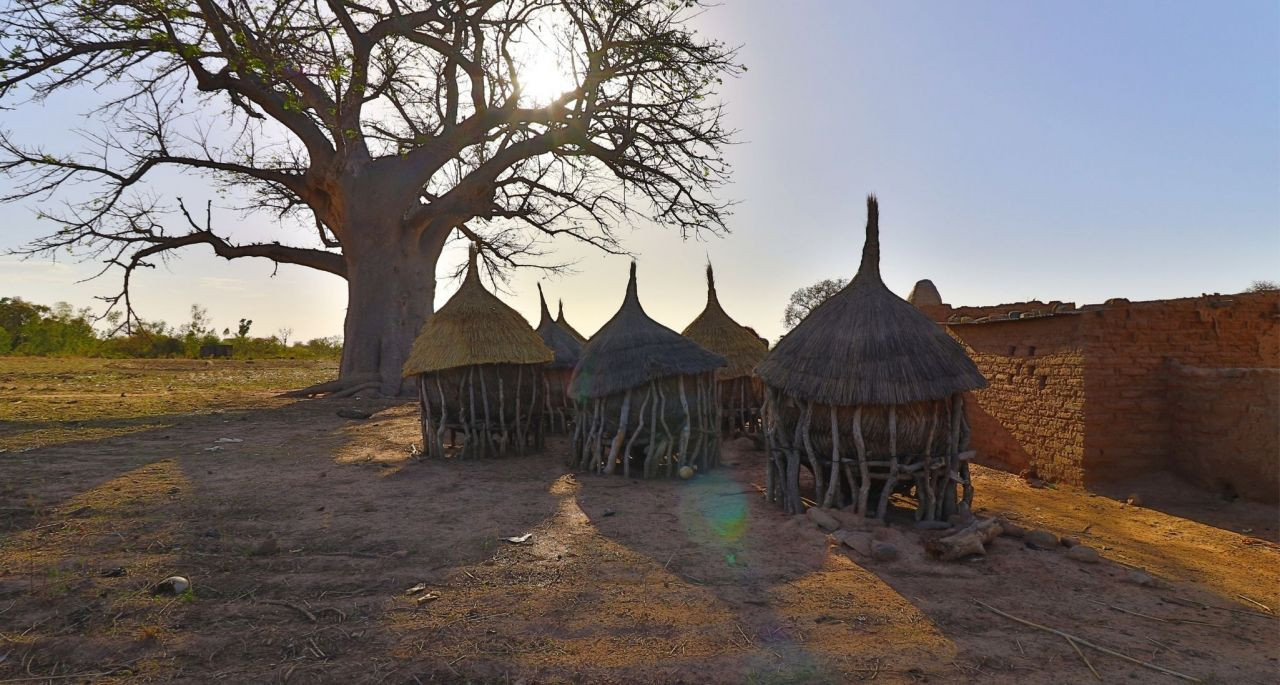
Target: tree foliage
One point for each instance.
(1260, 286)
(331, 111)
(808, 298)
(30, 329)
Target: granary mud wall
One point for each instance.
(1031, 417)
(1102, 401)
(1224, 428)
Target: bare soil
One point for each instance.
(620, 581)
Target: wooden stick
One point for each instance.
(488, 423)
(467, 442)
(859, 444)
(1091, 645)
(1201, 605)
(502, 417)
(1084, 658)
(1156, 618)
(684, 430)
(626, 451)
(1257, 603)
(833, 488)
(621, 434)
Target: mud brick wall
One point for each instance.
(1090, 396)
(1224, 428)
(1128, 348)
(1031, 417)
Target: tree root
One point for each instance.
(360, 380)
(348, 392)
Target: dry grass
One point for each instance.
(47, 401)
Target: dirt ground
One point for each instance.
(302, 539)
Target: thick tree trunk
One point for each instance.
(391, 285)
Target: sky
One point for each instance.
(1071, 151)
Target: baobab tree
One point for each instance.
(391, 125)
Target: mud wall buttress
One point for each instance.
(1224, 428)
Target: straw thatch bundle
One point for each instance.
(741, 394)
(557, 404)
(868, 391)
(478, 366)
(645, 395)
(565, 325)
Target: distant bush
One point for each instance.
(38, 330)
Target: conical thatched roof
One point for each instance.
(925, 294)
(866, 345)
(474, 327)
(716, 331)
(633, 349)
(566, 347)
(565, 325)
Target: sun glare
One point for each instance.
(544, 76)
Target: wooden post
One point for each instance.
(684, 429)
(620, 434)
(626, 451)
(859, 444)
(833, 488)
(953, 454)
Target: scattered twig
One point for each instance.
(1201, 605)
(278, 602)
(1257, 603)
(1157, 618)
(1091, 645)
(1085, 659)
(95, 674)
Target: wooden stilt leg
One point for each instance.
(620, 434)
(859, 443)
(833, 488)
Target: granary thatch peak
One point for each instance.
(565, 324)
(716, 331)
(563, 342)
(473, 273)
(869, 270)
(633, 297)
(544, 314)
(712, 298)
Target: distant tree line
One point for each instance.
(33, 329)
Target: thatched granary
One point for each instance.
(867, 393)
(565, 325)
(557, 404)
(479, 370)
(741, 393)
(646, 398)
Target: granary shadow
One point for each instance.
(800, 609)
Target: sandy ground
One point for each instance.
(302, 540)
